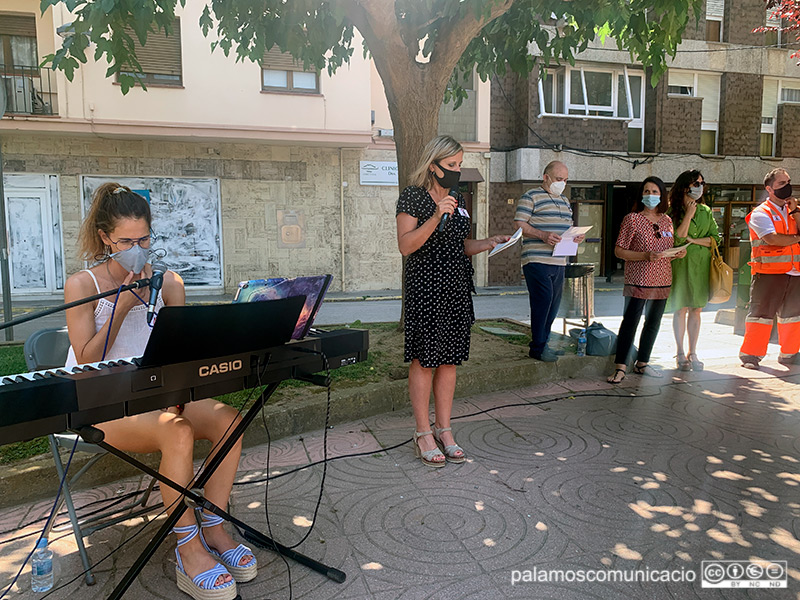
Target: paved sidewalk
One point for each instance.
(581, 475)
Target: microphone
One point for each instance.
(156, 280)
(443, 222)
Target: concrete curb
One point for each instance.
(35, 478)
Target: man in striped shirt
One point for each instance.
(544, 214)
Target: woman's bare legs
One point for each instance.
(693, 327)
(174, 436)
(679, 329)
(419, 390)
(444, 387)
(212, 421)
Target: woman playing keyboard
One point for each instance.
(116, 237)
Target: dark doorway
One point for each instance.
(620, 201)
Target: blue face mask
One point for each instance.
(651, 201)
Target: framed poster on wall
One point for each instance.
(187, 224)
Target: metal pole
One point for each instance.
(4, 276)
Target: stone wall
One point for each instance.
(505, 269)
(672, 123)
(740, 114)
(741, 17)
(787, 130)
(256, 180)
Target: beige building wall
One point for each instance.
(271, 153)
(256, 182)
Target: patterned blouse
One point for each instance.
(649, 280)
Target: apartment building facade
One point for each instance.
(729, 106)
(252, 170)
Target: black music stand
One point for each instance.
(280, 313)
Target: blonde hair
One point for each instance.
(110, 203)
(438, 148)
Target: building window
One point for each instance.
(17, 42)
(280, 72)
(159, 58)
(774, 92)
(775, 38)
(715, 10)
(705, 86)
(594, 92)
(462, 122)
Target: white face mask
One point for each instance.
(132, 259)
(557, 187)
(695, 192)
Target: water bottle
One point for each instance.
(582, 343)
(42, 567)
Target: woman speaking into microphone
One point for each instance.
(432, 229)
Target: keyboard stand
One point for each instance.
(94, 435)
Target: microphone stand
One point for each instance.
(49, 311)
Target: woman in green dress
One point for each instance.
(695, 225)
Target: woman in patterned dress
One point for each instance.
(694, 223)
(645, 234)
(438, 284)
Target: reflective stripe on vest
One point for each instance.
(773, 259)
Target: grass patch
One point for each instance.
(384, 364)
(12, 361)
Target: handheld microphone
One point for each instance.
(156, 281)
(443, 222)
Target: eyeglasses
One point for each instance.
(657, 231)
(128, 243)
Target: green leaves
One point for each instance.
(319, 34)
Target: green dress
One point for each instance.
(690, 273)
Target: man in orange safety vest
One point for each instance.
(775, 263)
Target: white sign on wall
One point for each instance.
(375, 172)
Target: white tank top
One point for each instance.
(133, 334)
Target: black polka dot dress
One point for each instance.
(438, 284)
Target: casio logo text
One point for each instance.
(223, 367)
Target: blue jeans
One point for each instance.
(545, 286)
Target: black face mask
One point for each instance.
(450, 178)
(784, 192)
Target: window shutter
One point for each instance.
(715, 8)
(275, 60)
(161, 53)
(680, 78)
(772, 19)
(708, 90)
(18, 25)
(769, 98)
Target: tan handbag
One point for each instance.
(720, 277)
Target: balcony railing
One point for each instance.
(28, 90)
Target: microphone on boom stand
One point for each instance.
(156, 281)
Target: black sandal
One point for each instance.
(613, 379)
(647, 371)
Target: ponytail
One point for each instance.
(110, 203)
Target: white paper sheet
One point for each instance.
(512, 240)
(673, 251)
(568, 246)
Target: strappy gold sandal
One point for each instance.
(451, 451)
(427, 457)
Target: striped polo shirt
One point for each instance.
(547, 213)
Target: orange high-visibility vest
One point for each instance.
(773, 259)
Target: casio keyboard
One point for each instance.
(54, 400)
